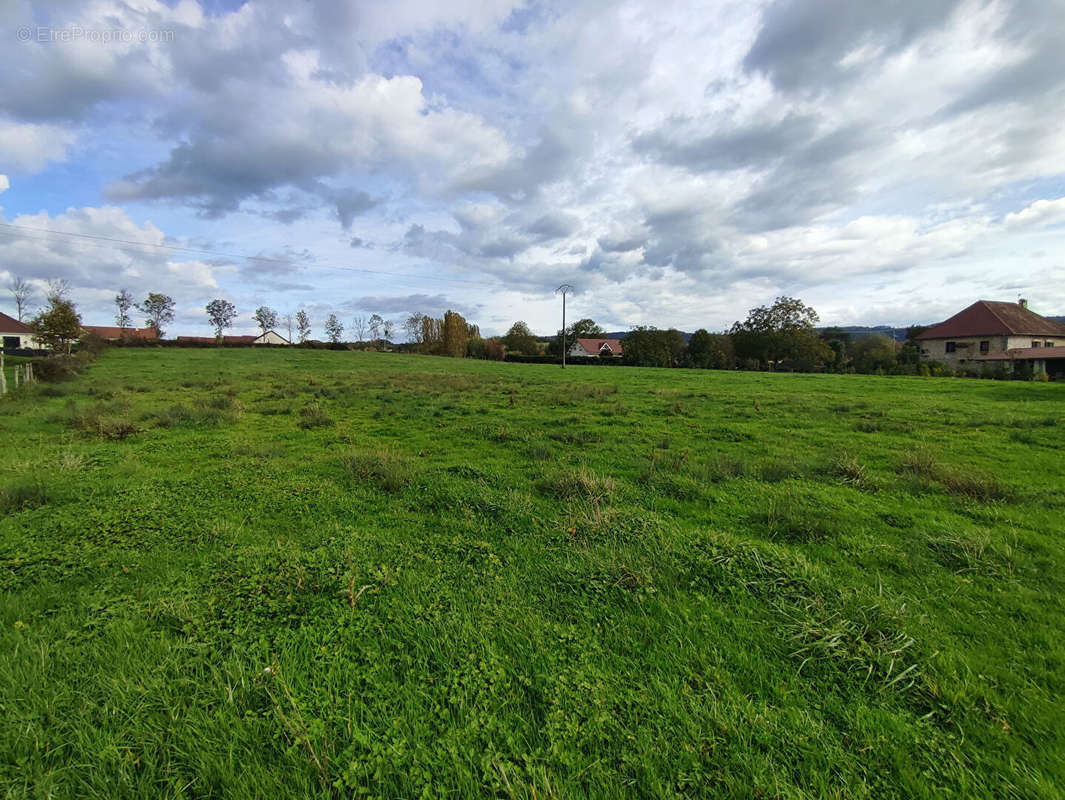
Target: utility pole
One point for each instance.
(563, 289)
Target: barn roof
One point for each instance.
(993, 318)
(12, 325)
(114, 332)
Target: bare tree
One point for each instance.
(388, 327)
(59, 288)
(359, 326)
(123, 304)
(303, 325)
(22, 292)
(287, 322)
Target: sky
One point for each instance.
(677, 163)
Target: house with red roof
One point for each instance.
(992, 332)
(15, 335)
(596, 348)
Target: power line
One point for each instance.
(100, 240)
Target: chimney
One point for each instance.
(1022, 302)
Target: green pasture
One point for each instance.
(297, 573)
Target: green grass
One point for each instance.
(312, 573)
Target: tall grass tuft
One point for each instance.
(388, 469)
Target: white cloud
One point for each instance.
(28, 147)
(1038, 214)
(5, 184)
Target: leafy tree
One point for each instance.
(334, 329)
(647, 346)
(432, 338)
(123, 304)
(455, 333)
(710, 351)
(303, 325)
(840, 342)
(875, 353)
(22, 292)
(220, 314)
(159, 311)
(783, 331)
(388, 327)
(266, 318)
(58, 326)
(519, 339)
(374, 325)
(412, 326)
(493, 349)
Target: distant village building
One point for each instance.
(113, 333)
(15, 335)
(270, 337)
(596, 348)
(997, 333)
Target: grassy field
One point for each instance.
(313, 573)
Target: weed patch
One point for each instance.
(386, 468)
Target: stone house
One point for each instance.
(992, 332)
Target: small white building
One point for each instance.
(15, 335)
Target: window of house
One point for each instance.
(985, 346)
(1048, 344)
(11, 341)
(951, 346)
(1035, 344)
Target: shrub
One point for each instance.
(389, 469)
(312, 416)
(22, 497)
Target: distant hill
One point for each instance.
(858, 331)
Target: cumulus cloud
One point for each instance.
(1038, 214)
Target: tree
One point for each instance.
(220, 314)
(581, 329)
(22, 292)
(875, 353)
(783, 331)
(375, 326)
(334, 329)
(287, 322)
(387, 329)
(303, 325)
(412, 326)
(519, 339)
(266, 318)
(358, 324)
(58, 288)
(123, 304)
(58, 326)
(646, 346)
(158, 310)
(710, 351)
(455, 334)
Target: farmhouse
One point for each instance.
(596, 348)
(15, 335)
(992, 332)
(112, 333)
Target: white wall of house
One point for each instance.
(24, 340)
(270, 337)
(578, 350)
(968, 347)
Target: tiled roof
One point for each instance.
(993, 318)
(12, 325)
(596, 345)
(114, 332)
